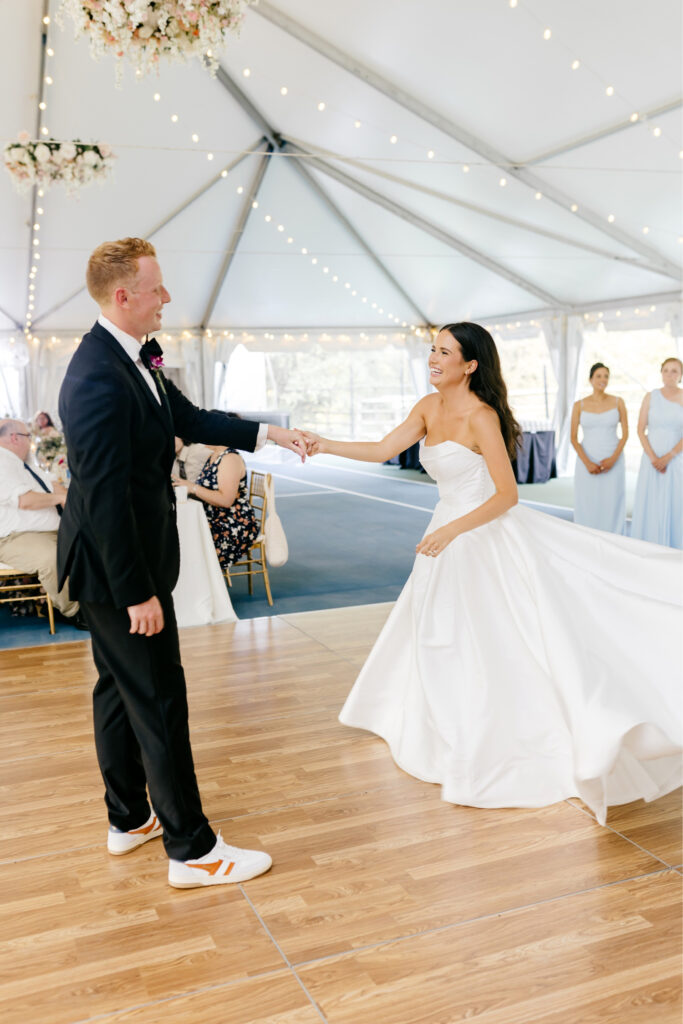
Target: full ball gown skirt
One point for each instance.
(600, 498)
(658, 502)
(531, 661)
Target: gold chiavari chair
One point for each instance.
(254, 563)
(14, 588)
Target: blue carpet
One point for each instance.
(351, 529)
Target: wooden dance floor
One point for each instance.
(384, 905)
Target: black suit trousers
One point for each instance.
(142, 731)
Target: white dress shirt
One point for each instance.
(131, 346)
(15, 480)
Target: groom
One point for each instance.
(118, 545)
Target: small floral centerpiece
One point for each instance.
(142, 31)
(51, 456)
(73, 164)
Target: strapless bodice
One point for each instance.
(461, 475)
(600, 422)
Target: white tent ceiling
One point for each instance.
(419, 237)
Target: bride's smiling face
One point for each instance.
(446, 362)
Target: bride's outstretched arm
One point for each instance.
(485, 428)
(411, 430)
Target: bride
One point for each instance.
(527, 659)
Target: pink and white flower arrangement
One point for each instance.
(74, 164)
(143, 31)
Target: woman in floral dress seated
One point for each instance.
(222, 486)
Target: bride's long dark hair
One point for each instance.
(487, 380)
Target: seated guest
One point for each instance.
(222, 486)
(189, 459)
(43, 426)
(30, 506)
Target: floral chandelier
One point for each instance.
(143, 31)
(74, 164)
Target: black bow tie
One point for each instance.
(150, 350)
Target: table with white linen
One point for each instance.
(201, 595)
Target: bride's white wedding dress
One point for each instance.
(531, 661)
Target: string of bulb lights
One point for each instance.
(322, 106)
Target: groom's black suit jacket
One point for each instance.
(118, 542)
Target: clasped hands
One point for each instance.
(603, 466)
(302, 442)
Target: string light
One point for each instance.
(634, 117)
(246, 72)
(465, 169)
(656, 132)
(430, 154)
(609, 90)
(547, 33)
(539, 195)
(503, 182)
(356, 124)
(321, 106)
(610, 218)
(393, 140)
(283, 90)
(576, 64)
(174, 118)
(574, 207)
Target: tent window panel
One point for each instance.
(530, 379)
(349, 394)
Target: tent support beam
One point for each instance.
(39, 117)
(279, 143)
(585, 140)
(11, 318)
(658, 263)
(341, 217)
(431, 229)
(231, 250)
(171, 216)
(628, 302)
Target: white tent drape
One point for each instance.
(564, 338)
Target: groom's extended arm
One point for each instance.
(195, 424)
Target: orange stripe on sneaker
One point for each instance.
(213, 867)
(145, 830)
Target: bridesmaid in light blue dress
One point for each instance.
(600, 477)
(658, 505)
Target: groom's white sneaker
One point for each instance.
(123, 842)
(220, 866)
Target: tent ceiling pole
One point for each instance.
(431, 229)
(320, 191)
(621, 126)
(657, 262)
(167, 220)
(11, 318)
(237, 235)
(627, 302)
(279, 143)
(39, 117)
(484, 211)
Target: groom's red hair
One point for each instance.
(114, 264)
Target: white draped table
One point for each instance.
(201, 595)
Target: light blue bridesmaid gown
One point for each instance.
(600, 498)
(658, 505)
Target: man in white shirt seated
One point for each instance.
(30, 506)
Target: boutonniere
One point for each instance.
(157, 362)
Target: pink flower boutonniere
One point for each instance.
(157, 362)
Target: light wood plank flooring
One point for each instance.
(384, 906)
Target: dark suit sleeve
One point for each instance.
(198, 425)
(100, 452)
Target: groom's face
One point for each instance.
(147, 297)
